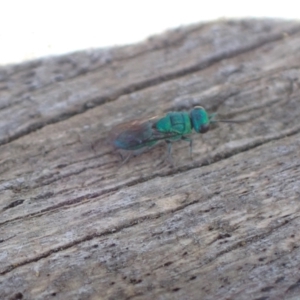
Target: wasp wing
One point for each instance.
(131, 135)
(137, 134)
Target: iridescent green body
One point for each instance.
(171, 127)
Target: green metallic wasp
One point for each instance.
(171, 127)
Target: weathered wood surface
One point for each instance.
(76, 225)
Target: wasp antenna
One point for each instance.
(228, 121)
(212, 120)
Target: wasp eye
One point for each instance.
(204, 128)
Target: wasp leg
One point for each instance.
(184, 138)
(124, 160)
(169, 154)
(168, 159)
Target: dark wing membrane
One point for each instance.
(132, 134)
(137, 134)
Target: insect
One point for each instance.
(171, 127)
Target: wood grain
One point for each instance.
(75, 224)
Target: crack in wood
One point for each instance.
(249, 240)
(131, 223)
(221, 155)
(149, 83)
(226, 230)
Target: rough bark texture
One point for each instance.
(74, 224)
